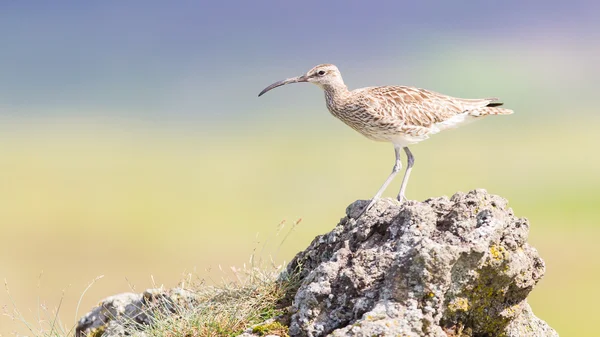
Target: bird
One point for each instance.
(401, 115)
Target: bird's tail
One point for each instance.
(491, 109)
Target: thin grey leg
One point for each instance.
(409, 164)
(397, 167)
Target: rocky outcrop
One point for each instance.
(124, 314)
(442, 267)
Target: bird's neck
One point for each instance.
(335, 94)
(337, 89)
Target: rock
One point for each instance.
(442, 267)
(121, 314)
(438, 268)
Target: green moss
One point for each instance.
(97, 332)
(271, 328)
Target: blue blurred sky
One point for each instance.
(162, 59)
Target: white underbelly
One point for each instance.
(453, 122)
(406, 140)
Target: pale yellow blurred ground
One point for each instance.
(134, 202)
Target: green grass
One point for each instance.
(229, 309)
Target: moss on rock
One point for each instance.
(271, 328)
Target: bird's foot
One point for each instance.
(401, 198)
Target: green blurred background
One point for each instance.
(132, 143)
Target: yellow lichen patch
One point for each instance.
(510, 312)
(498, 253)
(375, 317)
(459, 303)
(271, 328)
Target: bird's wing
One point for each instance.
(417, 107)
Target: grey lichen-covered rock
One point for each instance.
(442, 267)
(123, 314)
(438, 268)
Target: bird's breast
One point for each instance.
(361, 120)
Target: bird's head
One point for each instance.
(324, 75)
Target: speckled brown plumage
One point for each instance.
(397, 114)
(403, 114)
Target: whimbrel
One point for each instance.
(397, 114)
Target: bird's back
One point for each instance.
(386, 112)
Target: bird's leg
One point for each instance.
(409, 164)
(397, 167)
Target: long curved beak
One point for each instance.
(298, 79)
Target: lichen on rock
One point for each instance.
(458, 266)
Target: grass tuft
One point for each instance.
(254, 297)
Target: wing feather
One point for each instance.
(418, 107)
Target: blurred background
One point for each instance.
(132, 143)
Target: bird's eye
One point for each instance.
(321, 72)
